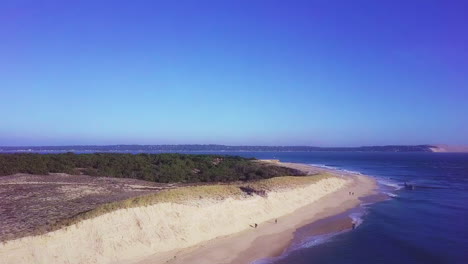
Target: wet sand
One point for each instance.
(271, 239)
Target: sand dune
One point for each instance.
(450, 148)
(127, 235)
(270, 239)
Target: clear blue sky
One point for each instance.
(324, 73)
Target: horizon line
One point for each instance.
(224, 145)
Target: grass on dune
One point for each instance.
(287, 181)
(181, 194)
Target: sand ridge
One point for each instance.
(270, 239)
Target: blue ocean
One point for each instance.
(428, 224)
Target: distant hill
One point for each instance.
(214, 148)
(449, 148)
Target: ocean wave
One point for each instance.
(324, 166)
(391, 194)
(310, 242)
(389, 183)
(351, 171)
(335, 168)
(316, 240)
(357, 218)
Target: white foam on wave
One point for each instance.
(351, 171)
(324, 166)
(383, 182)
(389, 183)
(316, 240)
(335, 168)
(391, 194)
(357, 217)
(310, 242)
(395, 186)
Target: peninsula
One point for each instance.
(150, 214)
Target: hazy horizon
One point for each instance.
(228, 145)
(234, 73)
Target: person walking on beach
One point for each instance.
(276, 221)
(256, 225)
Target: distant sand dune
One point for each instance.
(450, 148)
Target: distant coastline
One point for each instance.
(223, 148)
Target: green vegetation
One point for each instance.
(150, 167)
(287, 182)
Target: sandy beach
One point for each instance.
(270, 239)
(205, 229)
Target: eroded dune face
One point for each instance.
(32, 204)
(127, 234)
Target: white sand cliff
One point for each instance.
(127, 235)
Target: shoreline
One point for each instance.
(270, 240)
